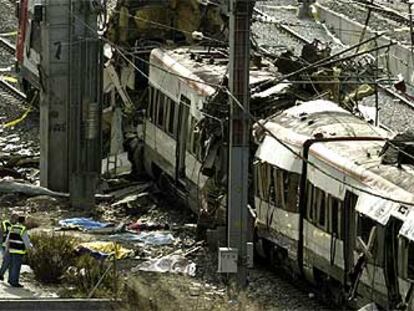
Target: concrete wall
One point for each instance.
(399, 60)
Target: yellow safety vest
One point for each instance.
(16, 244)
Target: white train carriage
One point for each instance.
(328, 217)
(181, 84)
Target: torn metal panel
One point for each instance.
(274, 153)
(407, 229)
(375, 208)
(276, 89)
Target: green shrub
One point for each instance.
(86, 273)
(51, 256)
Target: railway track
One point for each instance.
(9, 48)
(388, 91)
(383, 10)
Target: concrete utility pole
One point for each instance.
(54, 78)
(239, 132)
(71, 76)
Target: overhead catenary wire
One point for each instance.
(249, 114)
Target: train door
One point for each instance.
(182, 129)
(349, 234)
(390, 261)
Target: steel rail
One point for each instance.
(7, 45)
(9, 88)
(385, 11)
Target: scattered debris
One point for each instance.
(12, 186)
(148, 238)
(102, 249)
(82, 224)
(129, 198)
(170, 263)
(134, 189)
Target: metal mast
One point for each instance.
(85, 110)
(70, 109)
(54, 77)
(239, 129)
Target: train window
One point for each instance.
(154, 100)
(265, 176)
(286, 189)
(35, 36)
(291, 198)
(259, 180)
(335, 206)
(321, 209)
(197, 142)
(410, 268)
(190, 136)
(309, 204)
(161, 109)
(256, 166)
(150, 104)
(314, 207)
(364, 228)
(171, 116)
(272, 185)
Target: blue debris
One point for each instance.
(82, 223)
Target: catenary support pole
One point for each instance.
(85, 110)
(70, 108)
(54, 77)
(239, 129)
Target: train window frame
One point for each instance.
(161, 100)
(171, 124)
(272, 186)
(190, 136)
(361, 217)
(256, 172)
(259, 180)
(338, 230)
(321, 206)
(35, 36)
(195, 146)
(408, 275)
(309, 201)
(266, 168)
(150, 103)
(286, 186)
(280, 189)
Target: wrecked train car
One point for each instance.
(184, 130)
(326, 216)
(321, 198)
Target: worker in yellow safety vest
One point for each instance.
(5, 228)
(17, 244)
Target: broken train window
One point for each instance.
(317, 211)
(410, 260)
(364, 227)
(286, 189)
